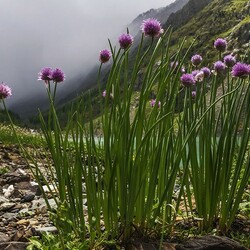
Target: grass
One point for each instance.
(26, 136)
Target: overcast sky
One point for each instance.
(59, 33)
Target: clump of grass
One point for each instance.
(26, 136)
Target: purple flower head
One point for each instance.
(195, 72)
(193, 93)
(196, 60)
(104, 55)
(206, 72)
(153, 101)
(57, 75)
(5, 91)
(229, 60)
(151, 27)
(199, 76)
(104, 93)
(125, 40)
(45, 74)
(220, 44)
(241, 70)
(219, 67)
(187, 80)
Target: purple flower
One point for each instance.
(57, 75)
(104, 93)
(153, 101)
(125, 40)
(104, 55)
(193, 93)
(187, 80)
(195, 72)
(5, 91)
(220, 44)
(229, 60)
(45, 74)
(199, 76)
(219, 67)
(206, 72)
(151, 27)
(196, 60)
(241, 70)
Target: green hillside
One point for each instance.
(220, 18)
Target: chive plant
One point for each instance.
(195, 132)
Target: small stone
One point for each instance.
(210, 242)
(3, 237)
(18, 235)
(23, 222)
(46, 229)
(28, 198)
(14, 245)
(33, 222)
(3, 200)
(15, 177)
(6, 206)
(9, 216)
(7, 192)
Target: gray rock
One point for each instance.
(3, 237)
(15, 177)
(28, 198)
(13, 245)
(3, 200)
(6, 206)
(210, 242)
(41, 230)
(9, 216)
(41, 205)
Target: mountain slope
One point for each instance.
(218, 18)
(161, 14)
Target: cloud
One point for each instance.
(58, 33)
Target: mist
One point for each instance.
(58, 33)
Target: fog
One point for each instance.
(58, 33)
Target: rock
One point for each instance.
(23, 222)
(7, 192)
(46, 229)
(15, 177)
(150, 246)
(18, 235)
(210, 243)
(9, 216)
(3, 237)
(13, 245)
(28, 198)
(3, 200)
(41, 206)
(6, 206)
(33, 222)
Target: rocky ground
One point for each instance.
(23, 211)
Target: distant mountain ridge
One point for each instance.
(161, 14)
